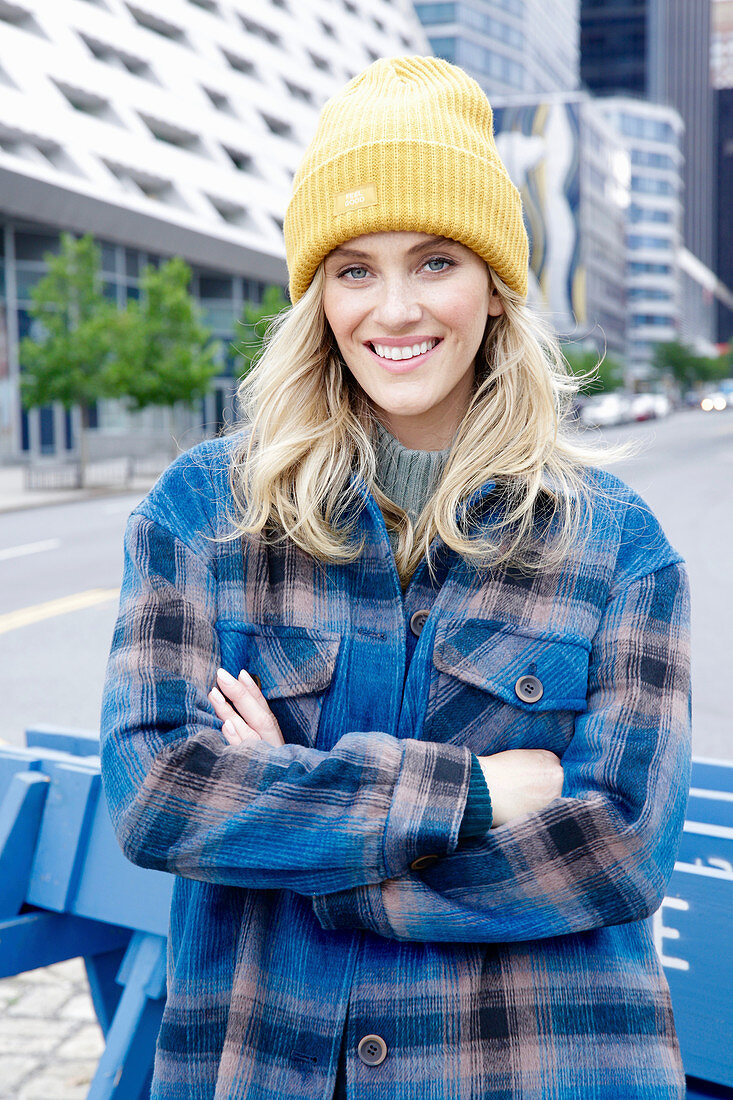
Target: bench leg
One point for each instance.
(125, 1068)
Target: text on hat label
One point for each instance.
(355, 200)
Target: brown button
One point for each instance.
(372, 1050)
(257, 681)
(417, 622)
(423, 861)
(529, 689)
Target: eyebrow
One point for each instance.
(356, 253)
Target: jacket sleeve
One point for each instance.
(603, 852)
(183, 800)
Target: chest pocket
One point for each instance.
(293, 665)
(493, 688)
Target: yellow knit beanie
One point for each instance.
(406, 145)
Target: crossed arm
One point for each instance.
(186, 800)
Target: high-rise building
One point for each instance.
(525, 47)
(573, 173)
(721, 60)
(660, 49)
(652, 135)
(164, 129)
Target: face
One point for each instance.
(409, 312)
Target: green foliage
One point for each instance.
(604, 376)
(69, 362)
(256, 320)
(677, 361)
(162, 353)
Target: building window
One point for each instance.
(277, 126)
(637, 241)
(259, 31)
(241, 64)
(320, 62)
(88, 103)
(119, 59)
(207, 5)
(243, 162)
(230, 211)
(299, 93)
(220, 101)
(157, 25)
(171, 134)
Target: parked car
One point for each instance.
(606, 410)
(649, 406)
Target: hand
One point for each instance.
(521, 781)
(243, 710)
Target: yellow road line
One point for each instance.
(62, 606)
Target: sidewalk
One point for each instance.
(50, 1041)
(15, 497)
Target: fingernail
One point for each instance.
(245, 676)
(222, 674)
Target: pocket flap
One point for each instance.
(288, 660)
(496, 656)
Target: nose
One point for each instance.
(397, 306)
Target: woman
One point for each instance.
(421, 812)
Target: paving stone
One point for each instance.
(27, 1036)
(79, 1007)
(87, 1042)
(61, 1081)
(13, 1068)
(40, 1001)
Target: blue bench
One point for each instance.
(66, 891)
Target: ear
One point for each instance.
(496, 306)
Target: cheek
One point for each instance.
(342, 312)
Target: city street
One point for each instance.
(60, 571)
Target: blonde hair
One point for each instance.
(310, 428)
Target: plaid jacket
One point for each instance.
(513, 965)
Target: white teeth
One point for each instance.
(404, 353)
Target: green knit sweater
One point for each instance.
(409, 478)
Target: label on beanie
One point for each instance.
(355, 200)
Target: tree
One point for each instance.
(675, 360)
(255, 320)
(68, 362)
(597, 375)
(162, 354)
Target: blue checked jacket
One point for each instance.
(517, 964)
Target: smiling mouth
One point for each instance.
(409, 352)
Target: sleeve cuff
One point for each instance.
(477, 816)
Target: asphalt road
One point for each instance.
(60, 570)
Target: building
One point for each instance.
(721, 61)
(573, 173)
(525, 47)
(164, 127)
(652, 135)
(724, 267)
(660, 50)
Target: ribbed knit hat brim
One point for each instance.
(407, 145)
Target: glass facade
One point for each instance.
(51, 430)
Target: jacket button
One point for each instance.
(529, 689)
(423, 861)
(417, 622)
(372, 1050)
(256, 680)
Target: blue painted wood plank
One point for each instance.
(63, 836)
(21, 809)
(125, 1065)
(75, 742)
(706, 845)
(39, 939)
(712, 774)
(692, 932)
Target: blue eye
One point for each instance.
(357, 273)
(442, 260)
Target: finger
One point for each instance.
(254, 710)
(271, 732)
(237, 732)
(222, 708)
